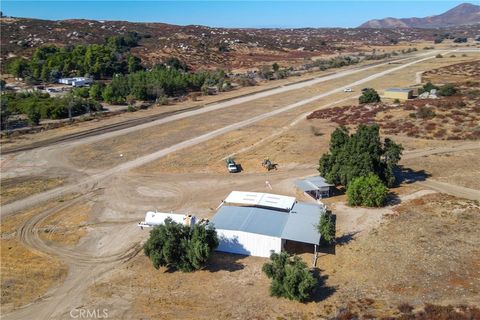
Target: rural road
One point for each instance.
(133, 125)
(90, 181)
(84, 266)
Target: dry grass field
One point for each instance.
(423, 250)
(426, 251)
(26, 274)
(13, 189)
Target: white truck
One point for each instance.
(231, 165)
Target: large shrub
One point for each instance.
(447, 90)
(290, 276)
(369, 96)
(177, 246)
(367, 191)
(326, 228)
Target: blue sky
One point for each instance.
(283, 14)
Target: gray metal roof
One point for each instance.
(398, 90)
(312, 183)
(297, 225)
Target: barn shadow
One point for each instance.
(222, 261)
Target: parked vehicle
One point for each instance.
(347, 90)
(231, 166)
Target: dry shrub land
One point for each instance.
(425, 252)
(447, 118)
(202, 46)
(454, 73)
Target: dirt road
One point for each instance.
(143, 123)
(123, 201)
(89, 182)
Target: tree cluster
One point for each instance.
(158, 82)
(337, 62)
(38, 106)
(180, 247)
(359, 154)
(100, 61)
(290, 276)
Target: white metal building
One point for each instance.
(258, 223)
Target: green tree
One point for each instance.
(427, 87)
(33, 114)
(133, 64)
(326, 228)
(358, 154)
(447, 90)
(368, 191)
(290, 276)
(95, 92)
(4, 113)
(275, 67)
(181, 247)
(369, 96)
(17, 67)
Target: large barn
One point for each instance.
(253, 223)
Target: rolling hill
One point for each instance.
(463, 14)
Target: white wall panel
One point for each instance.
(248, 243)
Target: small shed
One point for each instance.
(316, 187)
(398, 93)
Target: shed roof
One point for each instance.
(406, 90)
(299, 224)
(312, 183)
(266, 200)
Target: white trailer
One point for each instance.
(153, 219)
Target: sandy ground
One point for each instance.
(105, 269)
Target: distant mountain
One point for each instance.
(463, 14)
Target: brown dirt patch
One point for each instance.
(67, 226)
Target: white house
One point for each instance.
(76, 81)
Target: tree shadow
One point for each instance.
(345, 238)
(393, 199)
(408, 175)
(322, 291)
